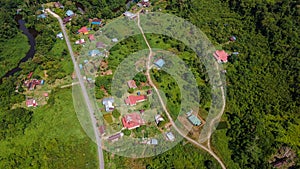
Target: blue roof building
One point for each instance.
(159, 63)
(94, 52)
(69, 13)
(80, 66)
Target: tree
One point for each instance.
(116, 114)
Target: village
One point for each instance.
(136, 99)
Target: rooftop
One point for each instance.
(160, 63)
(221, 56)
(132, 121)
(69, 13)
(131, 84)
(194, 120)
(132, 100)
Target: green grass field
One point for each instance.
(54, 139)
(18, 47)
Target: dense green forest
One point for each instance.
(263, 81)
(262, 84)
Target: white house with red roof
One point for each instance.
(132, 121)
(31, 103)
(133, 100)
(221, 56)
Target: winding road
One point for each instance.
(83, 89)
(209, 150)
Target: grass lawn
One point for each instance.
(12, 51)
(54, 139)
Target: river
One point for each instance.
(29, 54)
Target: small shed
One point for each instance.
(114, 40)
(170, 136)
(153, 141)
(60, 36)
(232, 38)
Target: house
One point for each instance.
(67, 19)
(94, 52)
(91, 37)
(31, 103)
(221, 56)
(102, 129)
(60, 36)
(149, 92)
(80, 41)
(131, 84)
(133, 100)
(70, 13)
(84, 30)
(129, 15)
(100, 45)
(152, 141)
(114, 40)
(132, 121)
(95, 21)
(170, 136)
(31, 84)
(145, 3)
(115, 137)
(194, 120)
(158, 119)
(42, 16)
(80, 66)
(58, 5)
(108, 103)
(159, 63)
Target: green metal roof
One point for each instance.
(194, 120)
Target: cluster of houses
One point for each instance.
(30, 84)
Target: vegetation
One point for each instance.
(116, 114)
(45, 137)
(140, 77)
(262, 91)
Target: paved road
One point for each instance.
(164, 107)
(84, 92)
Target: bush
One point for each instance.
(116, 114)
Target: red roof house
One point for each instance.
(133, 100)
(91, 37)
(31, 103)
(84, 30)
(131, 84)
(221, 56)
(132, 121)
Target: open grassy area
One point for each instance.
(54, 139)
(12, 51)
